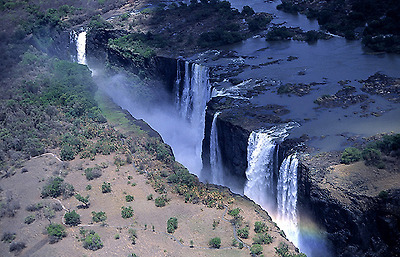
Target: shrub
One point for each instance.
(182, 177)
(283, 251)
(92, 173)
(55, 187)
(372, 156)
(247, 11)
(150, 197)
(30, 219)
(67, 153)
(132, 235)
(390, 144)
(262, 239)
(9, 207)
(99, 216)
(215, 242)
(161, 201)
(279, 33)
(243, 232)
(106, 187)
(172, 224)
(56, 232)
(92, 241)
(215, 224)
(256, 249)
(17, 246)
(8, 237)
(260, 227)
(34, 207)
(72, 218)
(350, 155)
(83, 200)
(127, 212)
(259, 22)
(129, 198)
(383, 194)
(235, 212)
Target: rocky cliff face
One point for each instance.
(357, 224)
(232, 141)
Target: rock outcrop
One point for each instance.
(357, 224)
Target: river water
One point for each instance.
(327, 62)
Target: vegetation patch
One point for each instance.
(126, 212)
(8, 237)
(56, 232)
(215, 242)
(92, 173)
(256, 249)
(106, 187)
(172, 224)
(99, 216)
(132, 235)
(56, 187)
(91, 240)
(375, 152)
(350, 155)
(72, 218)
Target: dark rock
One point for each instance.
(381, 84)
(362, 226)
(343, 98)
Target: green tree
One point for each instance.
(99, 216)
(262, 238)
(350, 155)
(243, 232)
(260, 227)
(172, 224)
(106, 187)
(126, 212)
(132, 235)
(92, 241)
(129, 198)
(55, 187)
(256, 249)
(215, 242)
(56, 232)
(83, 200)
(160, 201)
(373, 157)
(247, 11)
(72, 218)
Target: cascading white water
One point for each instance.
(81, 48)
(262, 158)
(192, 92)
(217, 172)
(287, 197)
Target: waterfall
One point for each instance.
(271, 186)
(217, 171)
(81, 47)
(260, 158)
(192, 91)
(287, 197)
